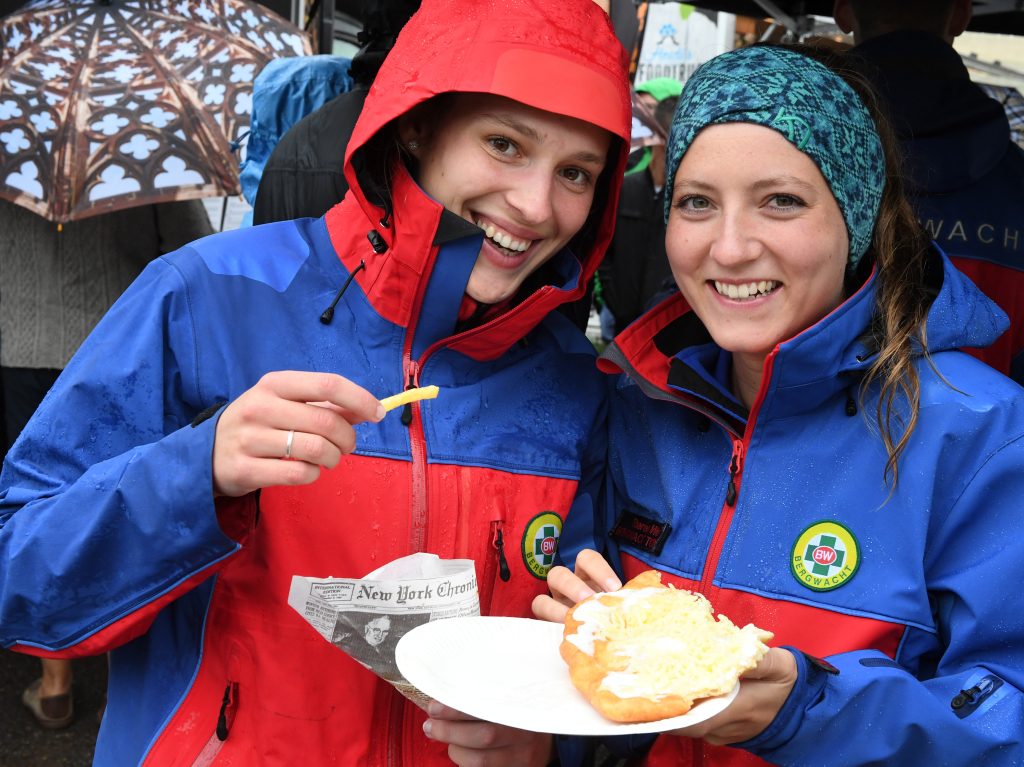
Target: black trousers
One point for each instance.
(24, 389)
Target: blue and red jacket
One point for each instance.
(780, 516)
(110, 538)
(966, 174)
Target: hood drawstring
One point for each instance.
(328, 314)
(385, 222)
(851, 403)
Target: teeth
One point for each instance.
(504, 240)
(747, 290)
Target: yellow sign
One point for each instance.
(825, 556)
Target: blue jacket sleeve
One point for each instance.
(878, 712)
(106, 502)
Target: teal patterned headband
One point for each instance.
(808, 104)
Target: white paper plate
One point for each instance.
(508, 671)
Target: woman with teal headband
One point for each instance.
(819, 457)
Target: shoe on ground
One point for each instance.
(54, 713)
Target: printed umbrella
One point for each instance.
(118, 103)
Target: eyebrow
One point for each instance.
(508, 121)
(695, 184)
(585, 156)
(770, 183)
(511, 122)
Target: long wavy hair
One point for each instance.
(898, 251)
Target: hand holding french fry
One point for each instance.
(304, 417)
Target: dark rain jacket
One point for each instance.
(967, 176)
(636, 265)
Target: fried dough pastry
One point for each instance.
(647, 652)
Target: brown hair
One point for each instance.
(898, 251)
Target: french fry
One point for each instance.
(409, 395)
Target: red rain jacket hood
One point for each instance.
(562, 57)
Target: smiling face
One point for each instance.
(756, 240)
(525, 176)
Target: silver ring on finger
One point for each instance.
(288, 445)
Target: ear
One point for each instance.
(962, 13)
(845, 20)
(412, 129)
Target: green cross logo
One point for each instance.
(789, 121)
(825, 553)
(544, 545)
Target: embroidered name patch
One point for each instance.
(825, 556)
(540, 542)
(641, 532)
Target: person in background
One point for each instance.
(651, 93)
(305, 174)
(56, 285)
(636, 266)
(966, 175)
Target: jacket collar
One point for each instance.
(670, 354)
(419, 280)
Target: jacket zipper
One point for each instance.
(495, 566)
(418, 511)
(736, 466)
(418, 444)
(412, 418)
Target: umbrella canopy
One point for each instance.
(108, 105)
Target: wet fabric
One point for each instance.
(808, 104)
(190, 592)
(909, 603)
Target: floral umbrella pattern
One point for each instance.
(104, 106)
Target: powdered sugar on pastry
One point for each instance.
(591, 613)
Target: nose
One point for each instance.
(530, 195)
(735, 244)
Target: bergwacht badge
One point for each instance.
(540, 542)
(825, 556)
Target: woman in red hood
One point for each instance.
(484, 174)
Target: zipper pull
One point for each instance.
(730, 493)
(503, 571)
(498, 538)
(222, 720)
(407, 409)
